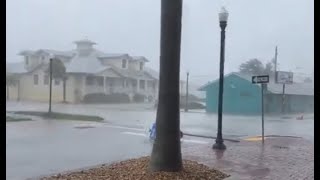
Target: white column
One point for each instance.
(146, 85)
(138, 85)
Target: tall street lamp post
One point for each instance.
(223, 18)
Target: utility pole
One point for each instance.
(187, 93)
(275, 61)
(50, 86)
(283, 85)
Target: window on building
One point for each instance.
(142, 84)
(124, 63)
(100, 80)
(124, 83)
(89, 80)
(36, 79)
(45, 79)
(56, 82)
(42, 58)
(141, 66)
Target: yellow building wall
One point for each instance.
(28, 91)
(13, 92)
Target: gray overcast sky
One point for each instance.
(133, 26)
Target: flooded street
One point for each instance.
(193, 122)
(42, 147)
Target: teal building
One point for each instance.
(242, 97)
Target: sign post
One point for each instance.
(284, 78)
(263, 80)
(263, 86)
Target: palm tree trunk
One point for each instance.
(166, 152)
(64, 81)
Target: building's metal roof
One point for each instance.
(154, 74)
(90, 64)
(57, 53)
(139, 58)
(48, 51)
(134, 74)
(84, 64)
(274, 88)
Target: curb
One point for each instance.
(210, 137)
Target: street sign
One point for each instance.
(260, 79)
(263, 80)
(283, 77)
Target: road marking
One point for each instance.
(255, 138)
(194, 141)
(137, 134)
(183, 140)
(122, 127)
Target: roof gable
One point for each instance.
(110, 72)
(242, 76)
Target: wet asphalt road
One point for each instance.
(199, 122)
(42, 147)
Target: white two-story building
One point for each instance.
(88, 71)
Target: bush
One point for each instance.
(106, 98)
(139, 98)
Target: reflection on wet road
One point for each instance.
(141, 116)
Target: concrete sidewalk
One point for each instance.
(279, 158)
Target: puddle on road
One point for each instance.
(83, 127)
(87, 125)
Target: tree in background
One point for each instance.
(166, 151)
(59, 73)
(256, 67)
